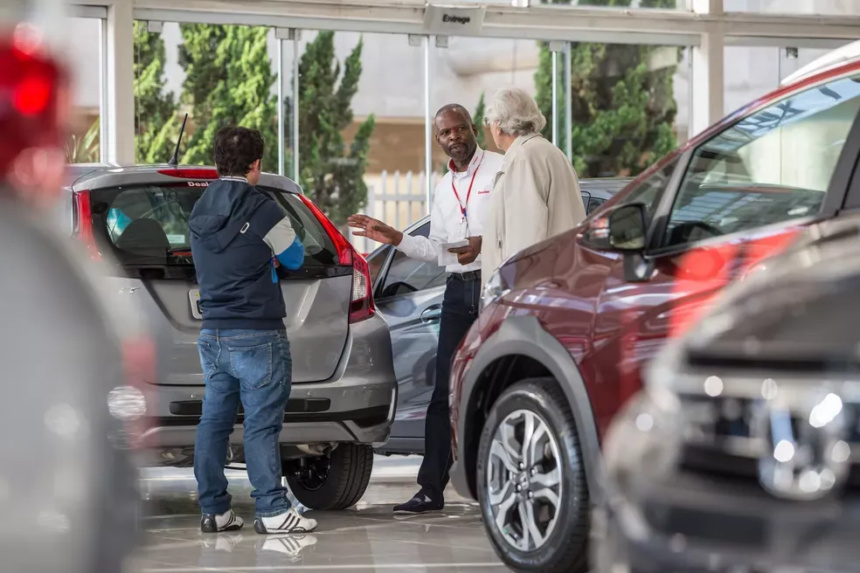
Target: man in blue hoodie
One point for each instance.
(239, 236)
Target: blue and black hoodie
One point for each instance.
(236, 234)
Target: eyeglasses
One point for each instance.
(487, 121)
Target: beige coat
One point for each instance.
(535, 196)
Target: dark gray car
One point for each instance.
(741, 453)
(344, 390)
(409, 295)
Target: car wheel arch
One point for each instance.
(522, 338)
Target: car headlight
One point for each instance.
(494, 290)
(126, 403)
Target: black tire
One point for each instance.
(340, 480)
(566, 548)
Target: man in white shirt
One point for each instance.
(459, 206)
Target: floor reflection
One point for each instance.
(365, 538)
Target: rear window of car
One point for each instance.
(147, 225)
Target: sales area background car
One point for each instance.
(567, 325)
(344, 391)
(408, 294)
(741, 453)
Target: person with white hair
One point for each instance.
(536, 194)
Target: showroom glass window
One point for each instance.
(772, 166)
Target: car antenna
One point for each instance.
(174, 161)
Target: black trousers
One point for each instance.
(459, 312)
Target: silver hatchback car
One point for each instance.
(344, 387)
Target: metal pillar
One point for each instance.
(119, 74)
(295, 142)
(281, 131)
(708, 59)
(555, 98)
(428, 131)
(103, 93)
(707, 82)
(282, 35)
(568, 104)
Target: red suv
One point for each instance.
(567, 325)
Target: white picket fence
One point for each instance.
(395, 198)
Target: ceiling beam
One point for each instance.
(545, 22)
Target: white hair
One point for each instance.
(515, 112)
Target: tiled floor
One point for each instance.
(366, 538)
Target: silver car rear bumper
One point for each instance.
(356, 405)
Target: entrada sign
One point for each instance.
(453, 20)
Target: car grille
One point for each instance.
(718, 437)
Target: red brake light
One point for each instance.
(84, 223)
(32, 97)
(190, 173)
(344, 249)
(361, 305)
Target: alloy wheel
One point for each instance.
(524, 483)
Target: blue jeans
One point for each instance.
(253, 367)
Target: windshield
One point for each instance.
(735, 207)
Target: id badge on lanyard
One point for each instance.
(464, 229)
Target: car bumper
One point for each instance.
(693, 523)
(356, 405)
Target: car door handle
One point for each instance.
(432, 313)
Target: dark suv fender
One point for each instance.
(524, 336)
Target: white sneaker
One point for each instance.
(211, 523)
(289, 522)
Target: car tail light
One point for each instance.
(84, 224)
(190, 173)
(32, 91)
(361, 305)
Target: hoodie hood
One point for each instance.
(222, 211)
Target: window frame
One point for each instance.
(835, 196)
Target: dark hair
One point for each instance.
(236, 148)
(456, 108)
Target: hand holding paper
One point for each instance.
(466, 253)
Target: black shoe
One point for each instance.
(421, 503)
(211, 523)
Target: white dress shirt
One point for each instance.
(447, 224)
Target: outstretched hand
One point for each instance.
(375, 230)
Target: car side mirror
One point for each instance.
(621, 229)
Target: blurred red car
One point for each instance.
(568, 324)
(71, 358)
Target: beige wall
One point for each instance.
(398, 145)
